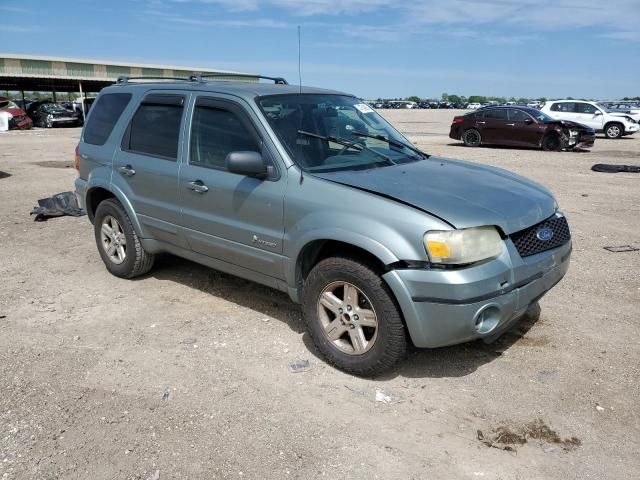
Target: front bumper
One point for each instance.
(445, 307)
(629, 129)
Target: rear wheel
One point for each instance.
(613, 130)
(352, 316)
(472, 138)
(118, 242)
(551, 142)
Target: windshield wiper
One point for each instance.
(391, 141)
(347, 143)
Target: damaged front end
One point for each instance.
(575, 135)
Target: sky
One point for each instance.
(371, 48)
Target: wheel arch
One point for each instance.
(317, 249)
(98, 193)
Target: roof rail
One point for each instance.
(124, 79)
(201, 77)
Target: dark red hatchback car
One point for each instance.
(520, 127)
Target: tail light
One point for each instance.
(76, 160)
(458, 119)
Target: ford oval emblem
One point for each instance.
(544, 234)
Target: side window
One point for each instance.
(585, 108)
(563, 107)
(215, 132)
(155, 127)
(496, 114)
(517, 115)
(104, 116)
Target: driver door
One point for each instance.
(230, 217)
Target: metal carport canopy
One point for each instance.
(54, 74)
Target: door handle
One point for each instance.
(511, 124)
(127, 171)
(197, 186)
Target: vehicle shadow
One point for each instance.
(244, 293)
(509, 147)
(454, 361)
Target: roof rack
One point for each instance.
(124, 79)
(201, 77)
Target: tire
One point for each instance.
(613, 130)
(472, 138)
(126, 258)
(551, 143)
(378, 338)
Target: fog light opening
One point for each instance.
(487, 319)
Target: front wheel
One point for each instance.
(352, 317)
(613, 130)
(551, 143)
(472, 138)
(118, 242)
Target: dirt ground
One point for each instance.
(183, 373)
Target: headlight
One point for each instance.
(457, 247)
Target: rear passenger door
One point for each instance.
(146, 165)
(494, 125)
(230, 217)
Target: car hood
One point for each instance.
(628, 116)
(15, 112)
(463, 194)
(569, 124)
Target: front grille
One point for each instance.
(528, 243)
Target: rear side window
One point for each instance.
(563, 107)
(215, 133)
(497, 114)
(105, 113)
(155, 127)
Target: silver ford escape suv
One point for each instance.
(311, 192)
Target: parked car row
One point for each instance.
(44, 113)
(18, 117)
(558, 125)
(519, 126)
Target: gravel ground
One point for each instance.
(183, 373)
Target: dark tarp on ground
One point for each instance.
(65, 203)
(608, 168)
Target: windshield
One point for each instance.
(604, 107)
(333, 132)
(7, 104)
(53, 107)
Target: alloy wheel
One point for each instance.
(613, 131)
(348, 318)
(113, 240)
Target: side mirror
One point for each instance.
(598, 112)
(246, 163)
(528, 121)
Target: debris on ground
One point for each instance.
(382, 397)
(65, 203)
(165, 395)
(298, 366)
(599, 408)
(507, 438)
(622, 248)
(610, 168)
